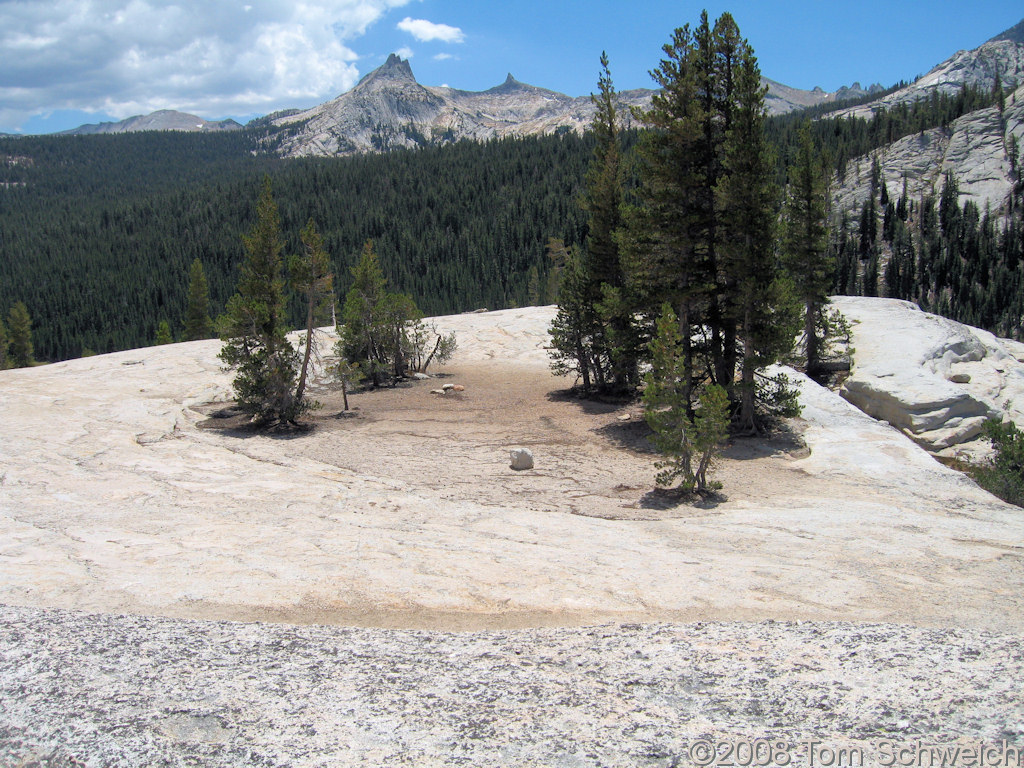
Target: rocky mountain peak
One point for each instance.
(1002, 56)
(510, 85)
(394, 70)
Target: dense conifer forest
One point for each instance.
(97, 233)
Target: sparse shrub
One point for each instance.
(1003, 475)
(428, 345)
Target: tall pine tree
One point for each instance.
(311, 277)
(602, 201)
(701, 234)
(757, 309)
(593, 333)
(253, 330)
(805, 240)
(664, 232)
(198, 324)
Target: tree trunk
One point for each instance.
(811, 337)
(747, 420)
(687, 341)
(584, 362)
(309, 348)
(431, 356)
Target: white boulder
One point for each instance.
(522, 458)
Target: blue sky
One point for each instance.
(67, 62)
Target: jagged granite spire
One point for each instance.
(395, 69)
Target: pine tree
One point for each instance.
(688, 444)
(665, 233)
(708, 433)
(198, 324)
(533, 287)
(19, 324)
(805, 240)
(756, 300)
(701, 235)
(376, 323)
(163, 333)
(572, 329)
(311, 277)
(349, 376)
(594, 334)
(602, 201)
(4, 344)
(666, 401)
(360, 337)
(253, 329)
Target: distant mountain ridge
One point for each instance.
(390, 109)
(1002, 56)
(977, 148)
(782, 99)
(161, 120)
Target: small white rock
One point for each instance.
(522, 458)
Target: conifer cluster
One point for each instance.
(687, 263)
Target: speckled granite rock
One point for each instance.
(139, 691)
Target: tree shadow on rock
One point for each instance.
(631, 435)
(594, 405)
(781, 439)
(674, 499)
(232, 421)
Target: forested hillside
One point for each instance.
(948, 257)
(97, 232)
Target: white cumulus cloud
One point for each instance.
(425, 31)
(129, 57)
